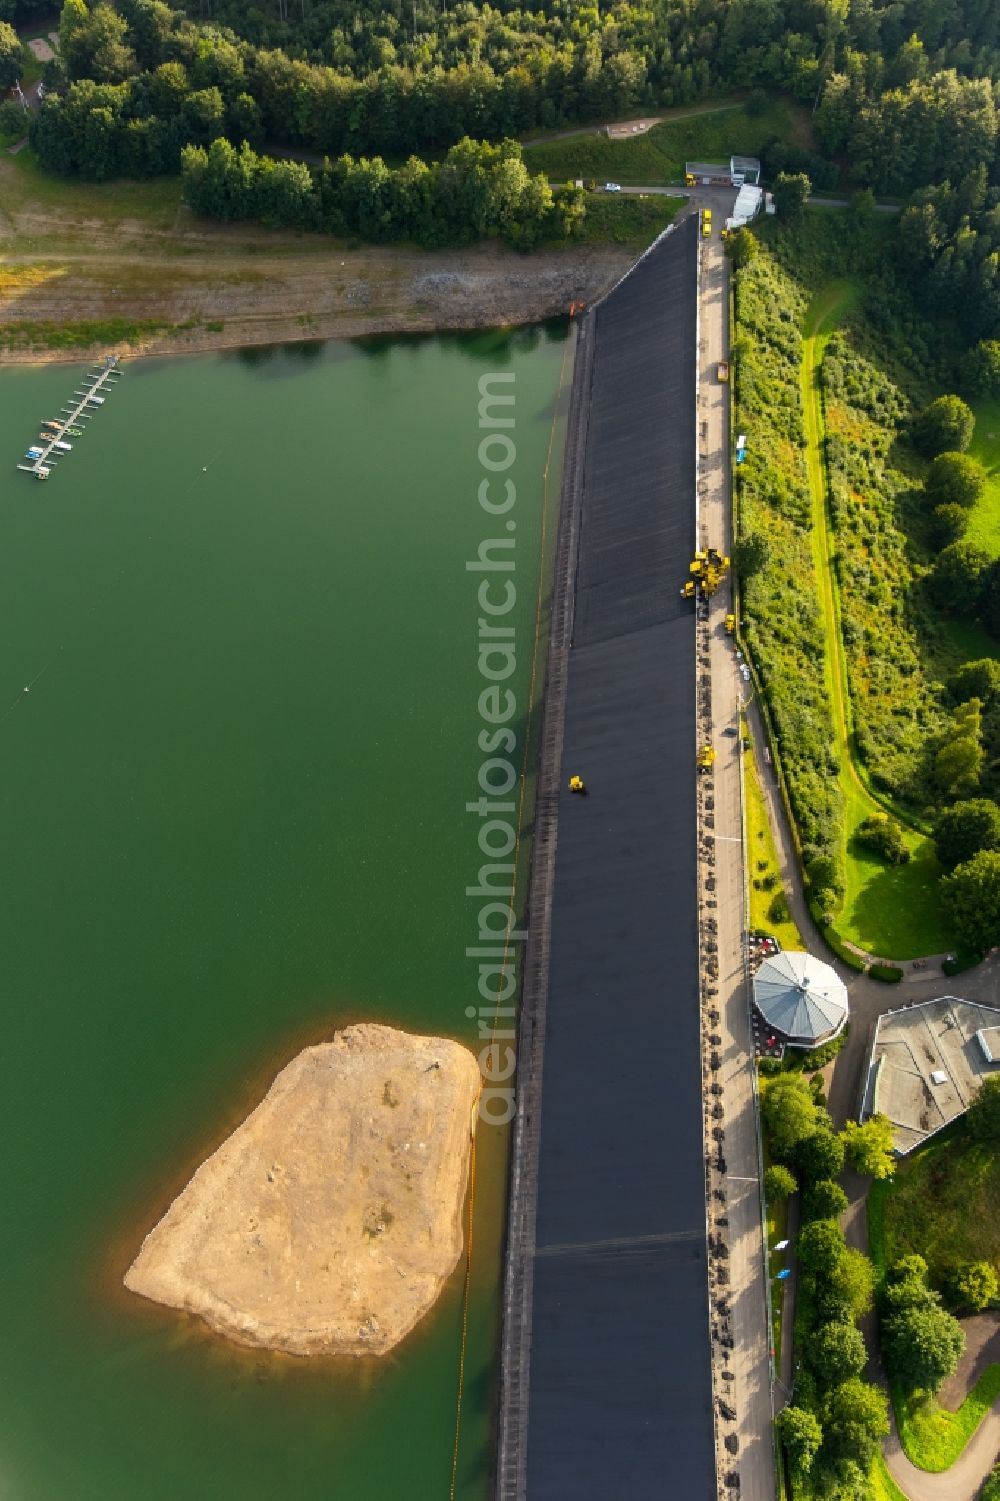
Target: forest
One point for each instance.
(904, 93)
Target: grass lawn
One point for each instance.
(24, 185)
(625, 219)
(81, 334)
(884, 1488)
(892, 911)
(762, 862)
(659, 155)
(984, 524)
(933, 1437)
(777, 1220)
(943, 1203)
(966, 640)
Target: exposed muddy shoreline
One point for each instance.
(225, 296)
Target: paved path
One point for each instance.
(962, 1482)
(750, 1392)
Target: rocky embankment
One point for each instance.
(328, 1222)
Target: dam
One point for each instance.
(606, 1374)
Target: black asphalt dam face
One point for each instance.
(619, 1400)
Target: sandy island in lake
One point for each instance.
(329, 1221)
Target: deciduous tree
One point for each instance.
(922, 1346)
(983, 1118)
(964, 829)
(837, 1352)
(948, 524)
(983, 368)
(945, 426)
(857, 1417)
(954, 479)
(823, 1200)
(11, 57)
(789, 1113)
(869, 1147)
(819, 1155)
(801, 1436)
(973, 1284)
(979, 679)
(779, 1182)
(820, 1248)
(956, 577)
(971, 897)
(791, 189)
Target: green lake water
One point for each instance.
(231, 818)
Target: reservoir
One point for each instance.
(232, 818)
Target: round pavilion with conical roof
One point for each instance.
(800, 998)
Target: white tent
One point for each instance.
(800, 997)
(747, 207)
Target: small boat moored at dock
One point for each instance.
(52, 444)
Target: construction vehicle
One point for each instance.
(708, 568)
(576, 784)
(731, 624)
(706, 758)
(722, 370)
(689, 179)
(706, 223)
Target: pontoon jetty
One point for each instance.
(42, 459)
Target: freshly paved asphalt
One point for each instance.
(620, 1401)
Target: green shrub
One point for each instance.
(982, 1120)
(827, 904)
(889, 974)
(13, 120)
(782, 621)
(778, 909)
(823, 1200)
(816, 1058)
(948, 524)
(824, 874)
(789, 1113)
(965, 959)
(848, 956)
(972, 1284)
(819, 1157)
(955, 479)
(945, 426)
(779, 1182)
(884, 837)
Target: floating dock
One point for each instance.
(52, 444)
